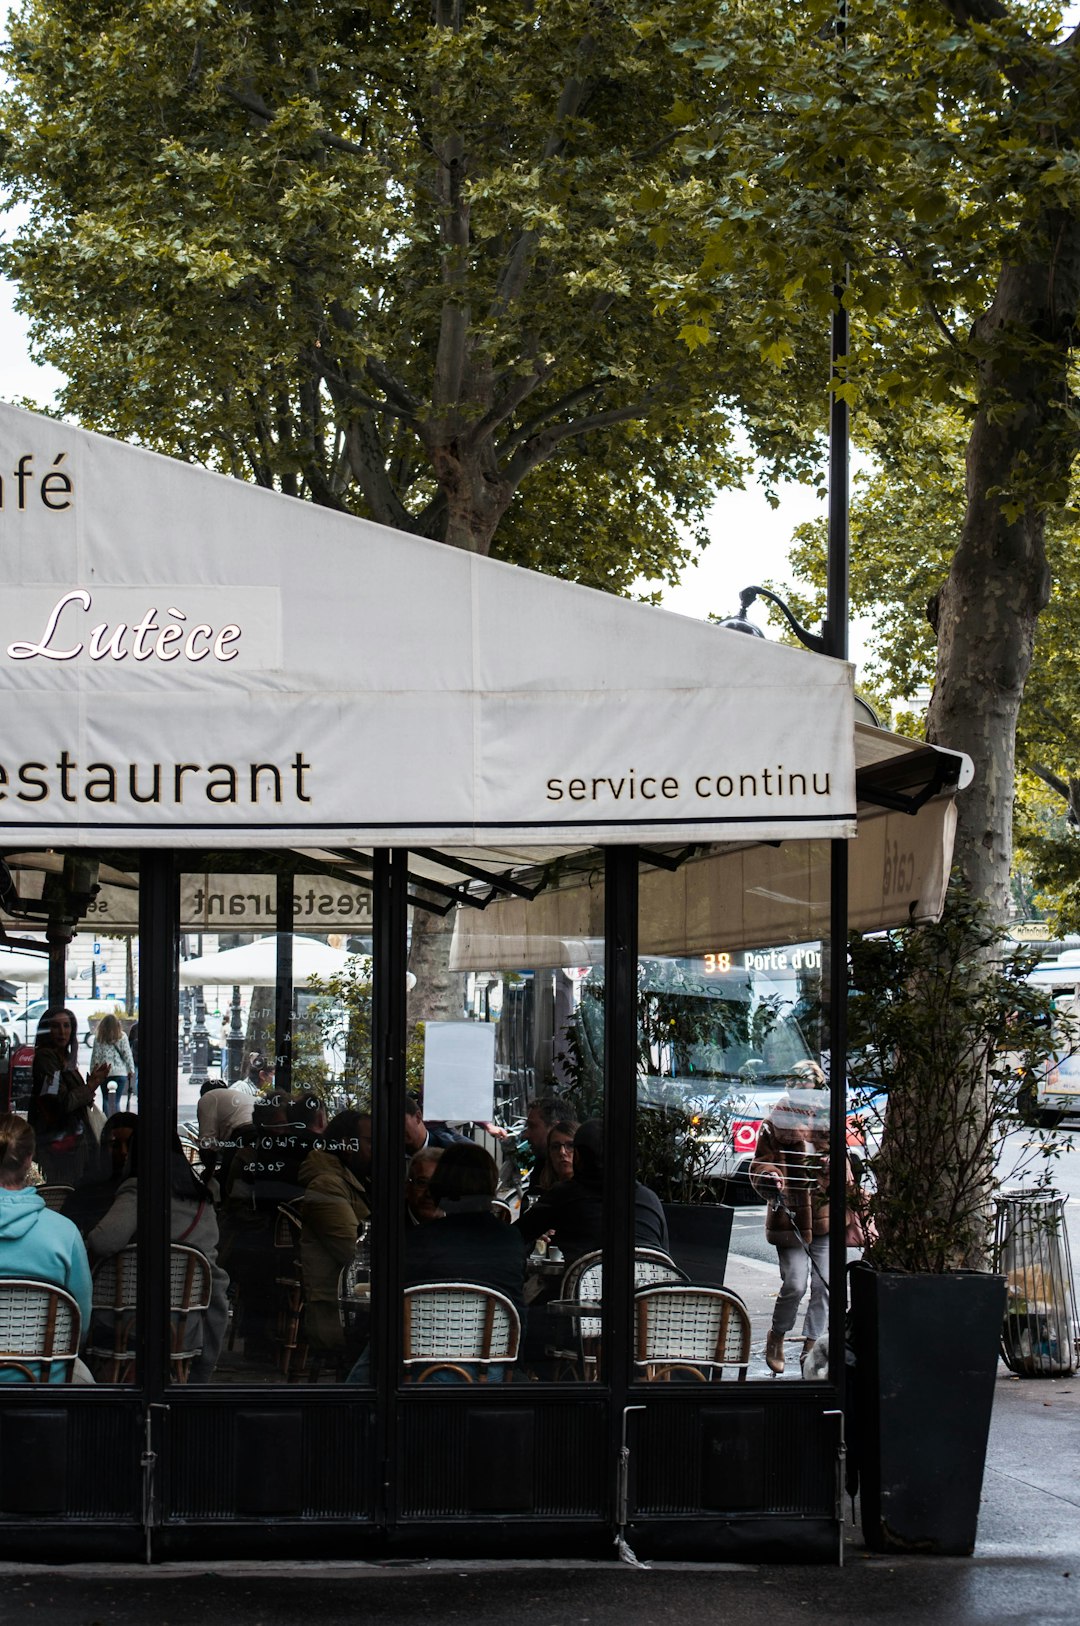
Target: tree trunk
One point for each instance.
(1018, 457)
(985, 614)
(437, 996)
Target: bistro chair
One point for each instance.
(459, 1328)
(584, 1283)
(690, 1332)
(39, 1330)
(55, 1197)
(116, 1303)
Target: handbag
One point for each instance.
(854, 1230)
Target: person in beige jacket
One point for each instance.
(336, 1203)
(791, 1171)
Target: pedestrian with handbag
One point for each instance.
(791, 1171)
(112, 1050)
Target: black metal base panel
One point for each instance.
(520, 1476)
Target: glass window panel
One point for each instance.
(74, 1076)
(731, 1100)
(504, 1189)
(273, 1104)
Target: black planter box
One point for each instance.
(698, 1238)
(926, 1351)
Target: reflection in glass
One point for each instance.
(531, 972)
(729, 1052)
(274, 1095)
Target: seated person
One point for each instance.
(572, 1212)
(223, 1109)
(336, 1204)
(542, 1113)
(420, 1135)
(35, 1243)
(94, 1195)
(559, 1155)
(468, 1244)
(420, 1205)
(193, 1223)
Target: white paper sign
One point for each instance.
(459, 1072)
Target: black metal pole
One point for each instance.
(620, 1149)
(389, 1043)
(836, 645)
(158, 1065)
(284, 997)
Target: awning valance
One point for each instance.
(730, 899)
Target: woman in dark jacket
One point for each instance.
(468, 1244)
(574, 1209)
(59, 1098)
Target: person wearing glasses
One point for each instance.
(558, 1154)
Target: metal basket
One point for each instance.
(1040, 1336)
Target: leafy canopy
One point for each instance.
(398, 259)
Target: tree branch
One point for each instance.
(931, 309)
(258, 109)
(541, 446)
(1048, 777)
(565, 403)
(508, 403)
(409, 404)
(986, 13)
(367, 460)
(345, 394)
(515, 274)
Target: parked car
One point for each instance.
(87, 1013)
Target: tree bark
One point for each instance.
(1019, 455)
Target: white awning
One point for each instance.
(186, 660)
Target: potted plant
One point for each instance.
(944, 1023)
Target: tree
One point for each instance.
(905, 518)
(932, 147)
(392, 259)
(395, 260)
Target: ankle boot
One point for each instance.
(774, 1352)
(808, 1344)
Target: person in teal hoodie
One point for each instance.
(36, 1244)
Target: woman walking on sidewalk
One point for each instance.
(791, 1171)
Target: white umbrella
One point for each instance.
(16, 967)
(256, 964)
